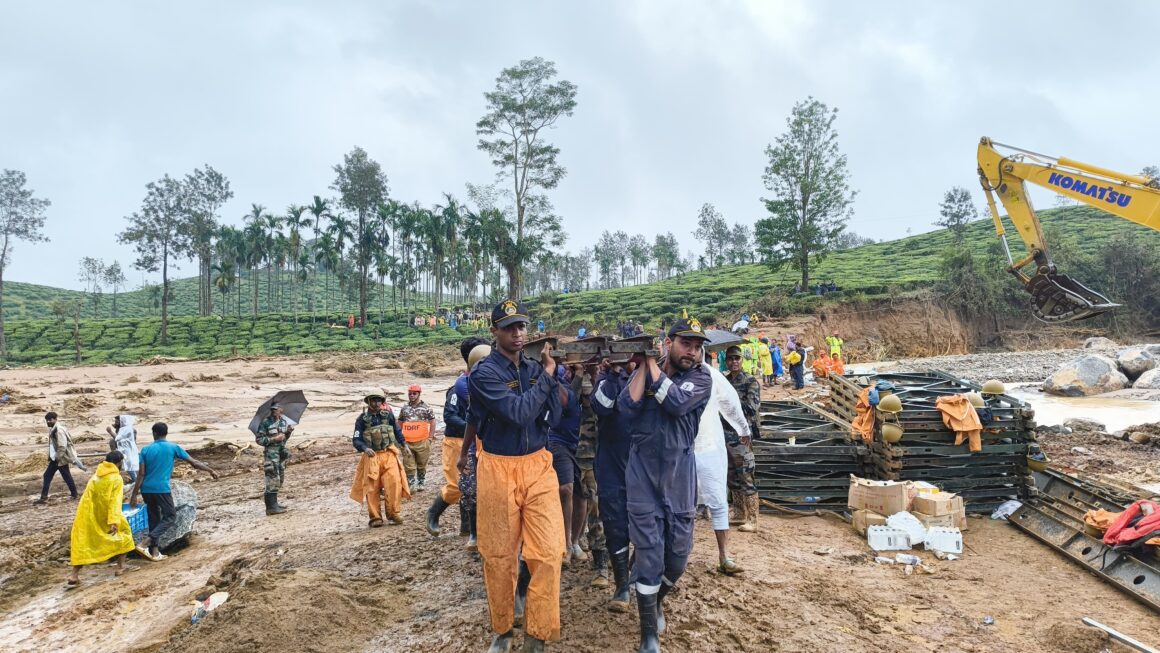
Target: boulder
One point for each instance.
(1090, 374)
(1134, 361)
(1153, 349)
(1081, 424)
(1099, 343)
(1149, 380)
(1139, 437)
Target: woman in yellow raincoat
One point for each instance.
(100, 530)
(766, 358)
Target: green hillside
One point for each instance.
(867, 271)
(713, 295)
(31, 301)
(130, 340)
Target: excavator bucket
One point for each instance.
(1059, 298)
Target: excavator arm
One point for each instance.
(1055, 296)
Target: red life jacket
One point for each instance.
(1123, 532)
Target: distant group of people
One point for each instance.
(816, 289)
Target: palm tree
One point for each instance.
(271, 223)
(442, 239)
(296, 222)
(224, 277)
(342, 230)
(325, 258)
(255, 244)
(319, 210)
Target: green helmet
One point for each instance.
(890, 404)
(994, 387)
(891, 433)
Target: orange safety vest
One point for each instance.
(416, 431)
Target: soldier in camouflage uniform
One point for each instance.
(582, 383)
(272, 434)
(741, 462)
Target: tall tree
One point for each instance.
(639, 254)
(319, 211)
(810, 186)
(92, 274)
(714, 232)
(160, 233)
(254, 244)
(667, 252)
(525, 104)
(956, 211)
(296, 221)
(608, 253)
(207, 191)
(362, 187)
(740, 247)
(21, 218)
(443, 239)
(115, 280)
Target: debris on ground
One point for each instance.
(137, 394)
(29, 409)
(200, 428)
(164, 377)
(131, 379)
(82, 390)
(266, 373)
(79, 405)
(34, 462)
(420, 365)
(204, 378)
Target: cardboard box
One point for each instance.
(937, 505)
(882, 497)
(957, 519)
(863, 519)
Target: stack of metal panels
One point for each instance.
(805, 457)
(927, 451)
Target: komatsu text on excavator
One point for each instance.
(1057, 297)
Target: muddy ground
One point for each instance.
(317, 579)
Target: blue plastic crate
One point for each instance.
(138, 517)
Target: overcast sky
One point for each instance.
(677, 101)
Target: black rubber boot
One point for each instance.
(471, 539)
(464, 522)
(501, 643)
(621, 597)
(272, 507)
(522, 583)
(661, 594)
(434, 513)
(646, 605)
(600, 566)
(533, 645)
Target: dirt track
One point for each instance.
(317, 579)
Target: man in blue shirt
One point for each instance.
(157, 461)
(513, 401)
(664, 402)
(563, 439)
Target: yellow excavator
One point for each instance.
(1005, 170)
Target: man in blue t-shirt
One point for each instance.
(157, 461)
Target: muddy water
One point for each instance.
(1115, 414)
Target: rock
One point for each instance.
(1082, 451)
(1134, 361)
(1081, 424)
(1149, 380)
(1153, 349)
(1138, 437)
(1099, 343)
(1090, 374)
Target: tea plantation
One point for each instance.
(130, 340)
(878, 269)
(720, 294)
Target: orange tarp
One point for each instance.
(864, 423)
(960, 416)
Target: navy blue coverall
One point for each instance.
(611, 459)
(661, 477)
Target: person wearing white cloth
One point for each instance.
(124, 439)
(713, 461)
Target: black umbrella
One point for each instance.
(292, 402)
(719, 338)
